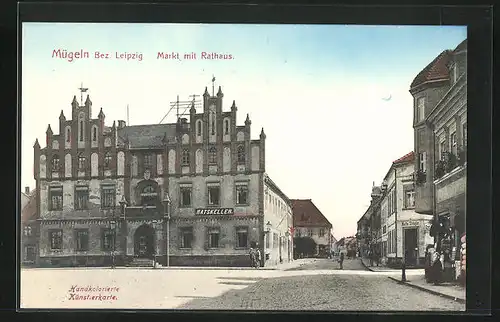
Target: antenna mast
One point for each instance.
(82, 90)
(183, 106)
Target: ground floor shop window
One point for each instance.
(213, 238)
(186, 237)
(242, 237)
(55, 237)
(82, 240)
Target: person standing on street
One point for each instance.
(341, 260)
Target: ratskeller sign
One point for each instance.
(215, 211)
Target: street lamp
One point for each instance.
(113, 229)
(167, 203)
(155, 222)
(287, 235)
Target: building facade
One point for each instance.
(404, 231)
(440, 124)
(308, 221)
(29, 228)
(188, 193)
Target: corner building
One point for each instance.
(103, 192)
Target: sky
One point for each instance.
(317, 90)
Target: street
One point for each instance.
(317, 285)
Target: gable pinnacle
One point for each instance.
(61, 116)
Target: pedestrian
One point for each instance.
(370, 256)
(341, 260)
(253, 257)
(258, 258)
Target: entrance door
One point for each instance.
(411, 246)
(144, 242)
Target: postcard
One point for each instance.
(275, 167)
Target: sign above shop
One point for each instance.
(214, 211)
(410, 223)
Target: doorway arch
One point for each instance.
(144, 245)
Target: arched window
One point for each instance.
(81, 162)
(81, 130)
(185, 157)
(107, 160)
(94, 134)
(226, 127)
(149, 196)
(55, 163)
(212, 155)
(68, 135)
(241, 154)
(198, 128)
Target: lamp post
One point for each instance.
(123, 207)
(167, 203)
(113, 229)
(287, 235)
(155, 225)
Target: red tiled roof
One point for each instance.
(409, 157)
(436, 70)
(305, 213)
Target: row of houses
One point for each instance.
(420, 204)
(195, 192)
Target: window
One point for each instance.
(409, 198)
(464, 134)
(212, 155)
(241, 154)
(186, 237)
(241, 194)
(107, 160)
(242, 237)
(68, 135)
(56, 198)
(298, 233)
(321, 233)
(185, 196)
(394, 200)
(108, 196)
(185, 157)
(27, 231)
(198, 128)
(453, 143)
(389, 203)
(148, 161)
(81, 162)
(213, 124)
(213, 195)
(213, 238)
(422, 161)
(55, 237)
(81, 197)
(81, 131)
(442, 149)
(420, 109)
(55, 163)
(149, 196)
(309, 232)
(107, 239)
(30, 253)
(226, 127)
(82, 239)
(94, 134)
(384, 229)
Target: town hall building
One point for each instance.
(189, 193)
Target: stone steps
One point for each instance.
(141, 262)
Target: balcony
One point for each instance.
(152, 212)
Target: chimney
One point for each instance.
(27, 190)
(121, 124)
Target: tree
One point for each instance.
(305, 245)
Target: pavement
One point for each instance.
(416, 278)
(310, 284)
